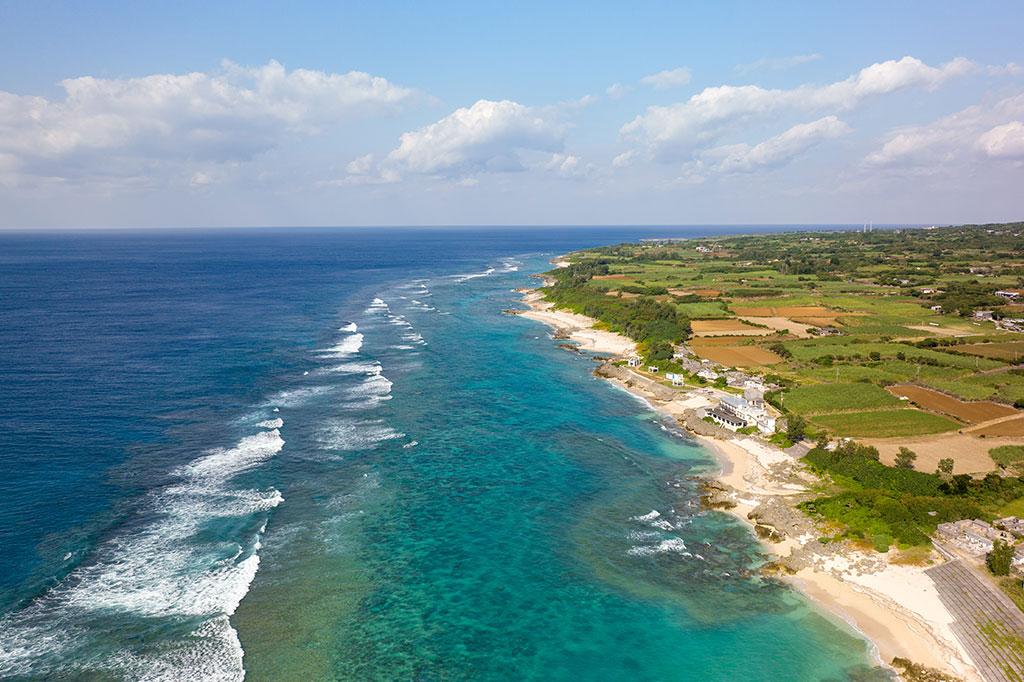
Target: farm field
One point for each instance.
(1010, 427)
(970, 455)
(884, 423)
(1012, 351)
(738, 356)
(830, 321)
(970, 412)
(824, 398)
(726, 327)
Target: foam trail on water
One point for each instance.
(350, 327)
(473, 275)
(162, 567)
(349, 345)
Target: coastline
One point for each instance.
(896, 608)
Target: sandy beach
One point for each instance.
(578, 328)
(896, 607)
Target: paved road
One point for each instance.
(987, 623)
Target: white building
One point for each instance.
(633, 361)
(707, 374)
(676, 379)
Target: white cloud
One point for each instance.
(1004, 141)
(1008, 69)
(617, 90)
(486, 137)
(130, 125)
(625, 159)
(780, 149)
(777, 63)
(674, 131)
(979, 131)
(664, 80)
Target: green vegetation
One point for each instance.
(1008, 456)
(838, 317)
(885, 505)
(1000, 558)
(653, 324)
(905, 458)
(885, 423)
(873, 293)
(837, 397)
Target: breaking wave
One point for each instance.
(162, 566)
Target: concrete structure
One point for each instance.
(676, 379)
(972, 536)
(1011, 524)
(726, 419)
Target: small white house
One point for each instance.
(676, 379)
(633, 361)
(707, 374)
(652, 368)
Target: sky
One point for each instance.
(193, 114)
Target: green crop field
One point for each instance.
(884, 423)
(820, 398)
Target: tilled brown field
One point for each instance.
(973, 412)
(737, 356)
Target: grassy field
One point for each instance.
(823, 398)
(846, 315)
(884, 423)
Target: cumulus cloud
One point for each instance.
(663, 80)
(675, 131)
(981, 131)
(129, 124)
(1004, 141)
(488, 136)
(617, 90)
(780, 149)
(777, 63)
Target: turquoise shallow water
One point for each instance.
(313, 455)
(543, 526)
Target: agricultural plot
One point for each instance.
(824, 398)
(1012, 351)
(783, 311)
(970, 412)
(1010, 427)
(737, 356)
(703, 310)
(726, 327)
(884, 423)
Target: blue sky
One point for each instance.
(514, 113)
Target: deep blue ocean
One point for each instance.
(327, 454)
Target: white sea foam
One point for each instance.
(295, 397)
(377, 305)
(653, 514)
(353, 434)
(349, 345)
(473, 275)
(271, 423)
(411, 444)
(674, 545)
(371, 391)
(163, 568)
(365, 367)
(350, 327)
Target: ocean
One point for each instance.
(327, 455)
